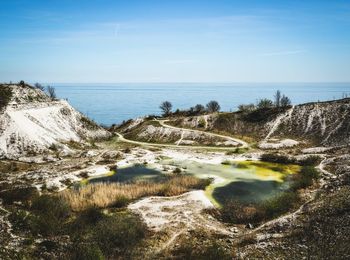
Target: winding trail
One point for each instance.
(123, 139)
(194, 147)
(241, 142)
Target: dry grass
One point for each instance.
(104, 195)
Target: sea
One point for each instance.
(109, 104)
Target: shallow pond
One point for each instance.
(246, 181)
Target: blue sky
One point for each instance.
(175, 41)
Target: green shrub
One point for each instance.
(305, 177)
(239, 213)
(279, 205)
(226, 162)
(326, 233)
(202, 184)
(85, 220)
(5, 96)
(83, 251)
(177, 170)
(88, 123)
(201, 122)
(116, 234)
(49, 215)
(23, 194)
(276, 158)
(51, 204)
(19, 220)
(200, 246)
(312, 160)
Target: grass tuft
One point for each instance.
(104, 195)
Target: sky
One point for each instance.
(105, 41)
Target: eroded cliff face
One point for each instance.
(324, 123)
(31, 123)
(321, 123)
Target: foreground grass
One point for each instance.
(104, 195)
(92, 234)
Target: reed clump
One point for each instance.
(103, 195)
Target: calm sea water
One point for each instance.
(113, 103)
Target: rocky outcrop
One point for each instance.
(31, 123)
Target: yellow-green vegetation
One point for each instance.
(266, 170)
(248, 181)
(118, 195)
(239, 212)
(87, 180)
(238, 150)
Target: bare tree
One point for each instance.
(285, 101)
(51, 91)
(213, 106)
(278, 98)
(39, 86)
(166, 107)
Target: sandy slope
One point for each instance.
(33, 126)
(241, 142)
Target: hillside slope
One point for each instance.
(320, 123)
(31, 123)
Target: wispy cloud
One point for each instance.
(283, 53)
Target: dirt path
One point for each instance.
(241, 142)
(214, 148)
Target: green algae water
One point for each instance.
(245, 181)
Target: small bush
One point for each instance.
(49, 215)
(279, 205)
(238, 213)
(86, 251)
(177, 170)
(88, 123)
(201, 123)
(312, 160)
(54, 147)
(19, 220)
(118, 233)
(5, 96)
(305, 177)
(22, 194)
(276, 158)
(213, 106)
(264, 103)
(246, 108)
(226, 162)
(90, 216)
(247, 239)
(201, 246)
